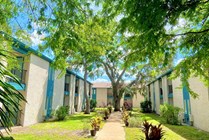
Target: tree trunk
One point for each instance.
(116, 98)
(87, 111)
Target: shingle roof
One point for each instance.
(102, 85)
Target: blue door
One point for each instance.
(186, 101)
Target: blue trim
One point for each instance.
(170, 95)
(109, 96)
(50, 88)
(67, 93)
(186, 102)
(127, 97)
(17, 86)
(94, 93)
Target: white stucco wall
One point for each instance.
(36, 88)
(165, 89)
(200, 105)
(72, 94)
(177, 93)
(137, 99)
(101, 97)
(157, 96)
(152, 96)
(58, 94)
(80, 95)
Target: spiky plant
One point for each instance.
(152, 132)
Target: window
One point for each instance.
(67, 87)
(19, 72)
(170, 89)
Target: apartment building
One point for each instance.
(195, 111)
(42, 88)
(102, 93)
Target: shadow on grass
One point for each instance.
(6, 138)
(80, 117)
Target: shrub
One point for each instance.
(146, 106)
(170, 113)
(93, 104)
(125, 116)
(134, 122)
(152, 132)
(109, 108)
(61, 112)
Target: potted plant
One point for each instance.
(93, 126)
(106, 113)
(125, 117)
(99, 121)
(110, 109)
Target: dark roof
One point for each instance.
(102, 85)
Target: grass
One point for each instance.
(69, 129)
(172, 132)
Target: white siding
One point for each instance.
(36, 90)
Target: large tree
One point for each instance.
(119, 68)
(166, 27)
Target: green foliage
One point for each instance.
(10, 98)
(152, 132)
(93, 104)
(146, 106)
(180, 26)
(106, 113)
(134, 122)
(61, 112)
(94, 123)
(109, 108)
(170, 113)
(125, 116)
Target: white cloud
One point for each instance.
(36, 38)
(179, 61)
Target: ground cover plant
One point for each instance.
(172, 132)
(73, 127)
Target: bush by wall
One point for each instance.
(61, 112)
(93, 104)
(170, 113)
(146, 106)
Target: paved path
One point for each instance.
(113, 128)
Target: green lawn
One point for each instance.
(172, 132)
(69, 129)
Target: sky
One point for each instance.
(21, 20)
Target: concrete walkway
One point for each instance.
(113, 128)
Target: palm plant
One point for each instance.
(9, 97)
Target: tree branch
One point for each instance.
(120, 76)
(187, 33)
(108, 73)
